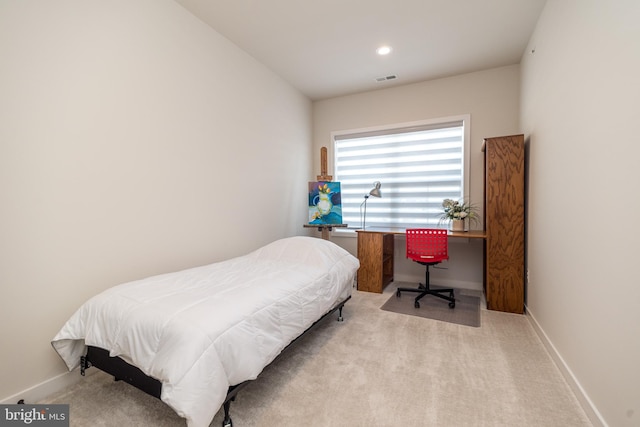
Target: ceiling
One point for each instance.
(328, 48)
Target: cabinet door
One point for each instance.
(375, 253)
(370, 256)
(504, 223)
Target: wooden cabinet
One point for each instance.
(504, 223)
(375, 252)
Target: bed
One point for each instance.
(196, 335)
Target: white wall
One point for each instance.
(580, 106)
(134, 140)
(492, 99)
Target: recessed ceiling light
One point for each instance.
(383, 50)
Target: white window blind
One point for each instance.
(418, 167)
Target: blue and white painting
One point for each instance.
(325, 203)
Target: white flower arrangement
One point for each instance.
(454, 209)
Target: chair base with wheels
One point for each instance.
(425, 290)
(428, 247)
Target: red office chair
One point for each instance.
(428, 246)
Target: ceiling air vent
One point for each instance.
(386, 78)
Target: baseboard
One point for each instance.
(46, 388)
(587, 405)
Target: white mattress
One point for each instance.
(204, 329)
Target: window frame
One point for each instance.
(402, 127)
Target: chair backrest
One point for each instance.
(427, 245)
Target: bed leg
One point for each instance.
(340, 318)
(84, 364)
(227, 419)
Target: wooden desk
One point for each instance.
(471, 234)
(375, 252)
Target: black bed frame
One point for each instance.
(128, 373)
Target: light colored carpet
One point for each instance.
(466, 312)
(379, 369)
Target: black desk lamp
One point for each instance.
(375, 192)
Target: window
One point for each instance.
(418, 165)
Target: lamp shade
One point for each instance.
(375, 192)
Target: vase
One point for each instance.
(324, 204)
(457, 225)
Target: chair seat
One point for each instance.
(427, 259)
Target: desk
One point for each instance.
(375, 252)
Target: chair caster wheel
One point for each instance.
(452, 304)
(416, 304)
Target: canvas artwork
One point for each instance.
(325, 204)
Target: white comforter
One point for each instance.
(204, 329)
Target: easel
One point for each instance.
(324, 228)
(323, 166)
